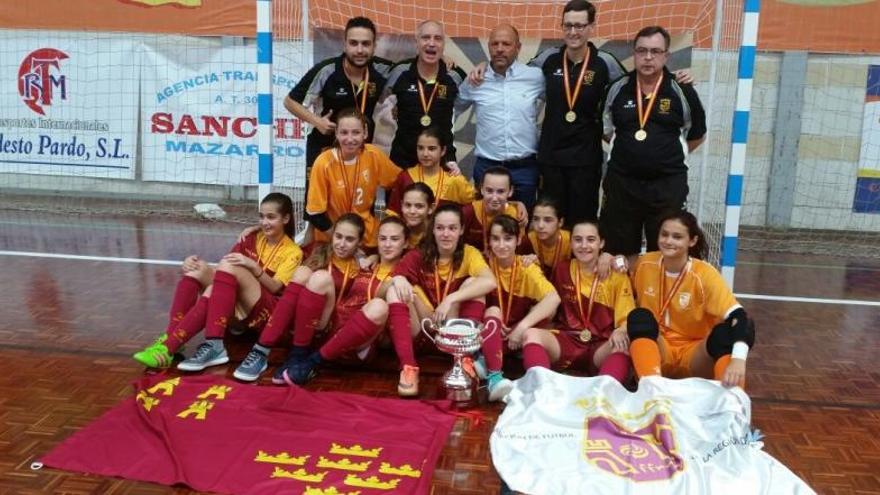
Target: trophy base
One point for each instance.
(458, 394)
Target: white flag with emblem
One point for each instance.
(566, 435)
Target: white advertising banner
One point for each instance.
(562, 434)
(69, 103)
(199, 101)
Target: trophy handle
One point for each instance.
(429, 323)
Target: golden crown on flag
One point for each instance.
(328, 491)
(282, 458)
(405, 470)
(371, 482)
(344, 464)
(299, 474)
(355, 450)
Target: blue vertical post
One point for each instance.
(264, 97)
(733, 198)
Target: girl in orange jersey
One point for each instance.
(346, 179)
(329, 270)
(443, 278)
(703, 331)
(359, 315)
(448, 187)
(522, 300)
(245, 284)
(547, 239)
(591, 326)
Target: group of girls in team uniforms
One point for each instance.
(545, 294)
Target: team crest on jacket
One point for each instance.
(646, 454)
(441, 91)
(588, 77)
(684, 300)
(665, 105)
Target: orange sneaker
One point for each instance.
(409, 381)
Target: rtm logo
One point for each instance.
(37, 84)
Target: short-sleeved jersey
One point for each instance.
(528, 288)
(447, 188)
(702, 300)
(334, 189)
(476, 223)
(403, 84)
(612, 303)
(413, 267)
(676, 118)
(548, 257)
(278, 260)
(326, 88)
(578, 143)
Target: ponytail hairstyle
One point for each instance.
(428, 244)
(700, 250)
(285, 207)
(350, 112)
(435, 132)
(320, 258)
(422, 188)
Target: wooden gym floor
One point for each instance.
(68, 327)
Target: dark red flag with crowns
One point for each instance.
(222, 436)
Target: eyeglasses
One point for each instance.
(643, 51)
(568, 26)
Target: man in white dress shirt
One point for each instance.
(507, 105)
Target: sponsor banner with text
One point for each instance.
(70, 103)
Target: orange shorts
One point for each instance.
(676, 356)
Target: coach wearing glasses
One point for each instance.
(570, 150)
(652, 123)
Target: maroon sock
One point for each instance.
(399, 329)
(221, 305)
(282, 315)
(191, 324)
(535, 355)
(185, 296)
(308, 316)
(472, 309)
(353, 335)
(616, 365)
(491, 345)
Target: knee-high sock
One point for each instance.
(491, 345)
(221, 304)
(308, 316)
(645, 357)
(721, 367)
(535, 355)
(353, 335)
(191, 324)
(616, 365)
(185, 296)
(282, 315)
(400, 331)
(472, 309)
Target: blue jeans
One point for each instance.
(524, 173)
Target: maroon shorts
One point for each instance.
(262, 310)
(575, 354)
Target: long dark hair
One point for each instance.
(700, 250)
(285, 207)
(428, 245)
(320, 257)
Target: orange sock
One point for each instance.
(645, 357)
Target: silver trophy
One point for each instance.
(459, 337)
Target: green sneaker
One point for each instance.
(155, 355)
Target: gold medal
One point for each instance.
(572, 96)
(641, 135)
(644, 113)
(425, 120)
(570, 116)
(585, 335)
